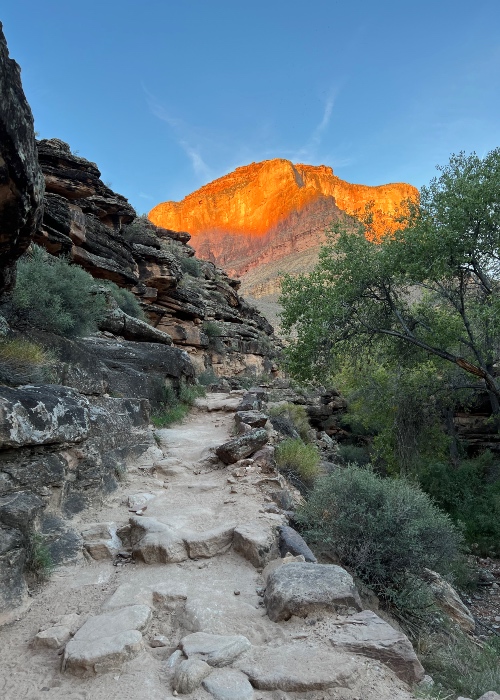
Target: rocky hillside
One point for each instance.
(194, 302)
(270, 217)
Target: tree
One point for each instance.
(431, 287)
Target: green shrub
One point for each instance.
(23, 361)
(458, 665)
(126, 300)
(386, 530)
(191, 266)
(175, 407)
(55, 296)
(297, 415)
(300, 459)
(470, 493)
(38, 558)
(354, 454)
(208, 377)
(212, 329)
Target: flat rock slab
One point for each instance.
(228, 684)
(215, 649)
(255, 419)
(242, 446)
(302, 589)
(367, 634)
(106, 641)
(298, 667)
(218, 402)
(156, 543)
(210, 542)
(189, 674)
(256, 542)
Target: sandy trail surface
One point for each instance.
(219, 594)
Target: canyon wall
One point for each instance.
(265, 212)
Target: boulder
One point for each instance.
(106, 641)
(303, 589)
(189, 674)
(242, 446)
(215, 649)
(101, 541)
(21, 181)
(490, 695)
(210, 542)
(255, 419)
(298, 667)
(130, 328)
(53, 637)
(228, 684)
(276, 563)
(250, 402)
(449, 601)
(40, 415)
(256, 541)
(367, 634)
(156, 543)
(293, 543)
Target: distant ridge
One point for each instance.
(267, 216)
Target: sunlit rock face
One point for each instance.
(265, 211)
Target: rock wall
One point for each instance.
(21, 181)
(99, 231)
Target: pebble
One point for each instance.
(237, 593)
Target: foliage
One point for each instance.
(458, 664)
(432, 286)
(212, 329)
(297, 416)
(126, 300)
(175, 406)
(354, 453)
(22, 361)
(386, 530)
(38, 558)
(470, 493)
(55, 296)
(208, 377)
(301, 460)
(191, 266)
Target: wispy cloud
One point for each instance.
(183, 135)
(310, 149)
(145, 196)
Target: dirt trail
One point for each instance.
(216, 594)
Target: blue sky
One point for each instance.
(166, 95)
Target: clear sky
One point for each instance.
(166, 95)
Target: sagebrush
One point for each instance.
(52, 295)
(385, 530)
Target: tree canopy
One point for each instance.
(429, 290)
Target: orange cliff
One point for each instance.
(233, 219)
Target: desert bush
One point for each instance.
(38, 558)
(212, 329)
(55, 296)
(385, 530)
(301, 460)
(458, 665)
(354, 454)
(175, 406)
(126, 300)
(297, 415)
(208, 377)
(22, 361)
(191, 266)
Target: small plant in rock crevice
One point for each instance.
(38, 558)
(175, 406)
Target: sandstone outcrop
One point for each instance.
(193, 302)
(21, 181)
(270, 211)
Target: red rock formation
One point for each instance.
(264, 211)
